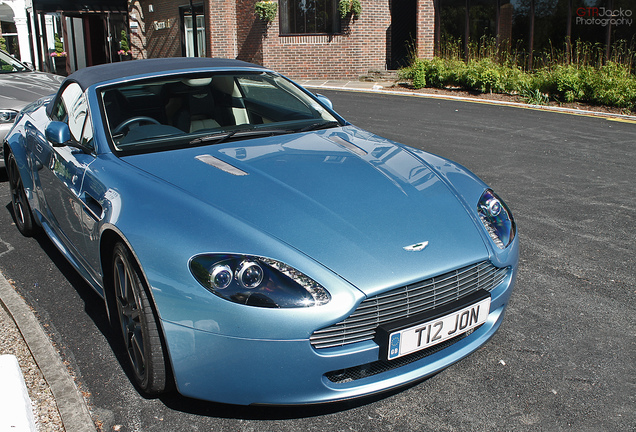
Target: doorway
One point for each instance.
(95, 38)
(96, 49)
(403, 32)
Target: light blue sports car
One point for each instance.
(252, 246)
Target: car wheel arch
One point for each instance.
(20, 155)
(23, 214)
(109, 239)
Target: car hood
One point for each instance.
(20, 88)
(350, 200)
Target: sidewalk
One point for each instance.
(386, 87)
(22, 335)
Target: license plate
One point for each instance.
(429, 333)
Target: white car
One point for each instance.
(19, 86)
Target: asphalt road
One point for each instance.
(565, 357)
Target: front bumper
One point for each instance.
(243, 371)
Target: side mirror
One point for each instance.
(325, 100)
(58, 133)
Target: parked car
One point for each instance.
(251, 245)
(20, 85)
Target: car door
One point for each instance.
(61, 170)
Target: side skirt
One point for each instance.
(59, 244)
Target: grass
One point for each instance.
(577, 73)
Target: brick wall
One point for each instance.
(222, 18)
(361, 46)
(161, 34)
(234, 31)
(250, 32)
(138, 34)
(425, 28)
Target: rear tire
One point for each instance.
(19, 203)
(138, 324)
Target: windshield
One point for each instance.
(8, 64)
(181, 111)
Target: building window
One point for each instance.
(188, 31)
(534, 31)
(309, 17)
(10, 34)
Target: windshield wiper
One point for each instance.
(325, 124)
(245, 133)
(217, 137)
(222, 136)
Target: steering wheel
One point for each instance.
(138, 119)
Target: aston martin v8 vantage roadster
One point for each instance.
(250, 244)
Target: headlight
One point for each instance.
(257, 281)
(7, 116)
(497, 219)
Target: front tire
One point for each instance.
(138, 324)
(19, 202)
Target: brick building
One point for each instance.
(307, 39)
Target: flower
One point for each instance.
(122, 52)
(58, 54)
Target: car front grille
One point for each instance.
(355, 373)
(407, 301)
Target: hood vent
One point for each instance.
(348, 145)
(223, 166)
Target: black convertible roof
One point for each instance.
(86, 77)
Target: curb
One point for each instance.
(70, 403)
(371, 87)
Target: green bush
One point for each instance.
(419, 78)
(533, 96)
(123, 42)
(435, 72)
(612, 84)
(59, 46)
(356, 8)
(266, 10)
(346, 7)
(484, 76)
(567, 83)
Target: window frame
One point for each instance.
(186, 12)
(285, 15)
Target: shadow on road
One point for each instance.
(274, 412)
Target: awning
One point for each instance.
(93, 6)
